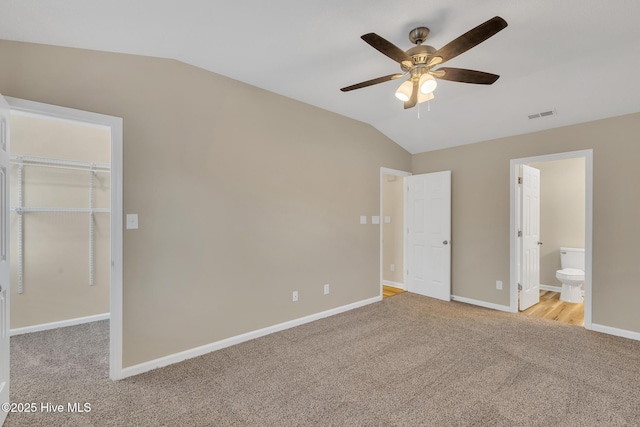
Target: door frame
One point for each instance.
(5, 262)
(115, 124)
(387, 171)
(513, 233)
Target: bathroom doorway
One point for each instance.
(565, 217)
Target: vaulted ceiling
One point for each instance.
(577, 58)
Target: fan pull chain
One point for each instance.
(428, 107)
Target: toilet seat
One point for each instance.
(570, 274)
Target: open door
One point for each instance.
(429, 234)
(530, 240)
(5, 269)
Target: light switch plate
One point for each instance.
(375, 220)
(387, 220)
(363, 219)
(132, 221)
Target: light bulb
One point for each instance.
(404, 91)
(427, 83)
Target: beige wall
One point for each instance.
(56, 245)
(243, 196)
(480, 211)
(393, 242)
(562, 214)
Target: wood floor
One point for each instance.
(389, 291)
(550, 307)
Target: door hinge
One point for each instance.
(519, 286)
(519, 233)
(519, 180)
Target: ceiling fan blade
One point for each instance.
(414, 96)
(372, 82)
(468, 40)
(465, 76)
(386, 47)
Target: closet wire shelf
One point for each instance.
(47, 162)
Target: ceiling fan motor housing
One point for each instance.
(419, 55)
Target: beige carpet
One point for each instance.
(405, 361)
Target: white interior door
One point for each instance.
(5, 270)
(530, 240)
(429, 234)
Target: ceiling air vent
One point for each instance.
(543, 114)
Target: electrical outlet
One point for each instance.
(393, 267)
(499, 285)
(326, 289)
(295, 296)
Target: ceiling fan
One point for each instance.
(418, 62)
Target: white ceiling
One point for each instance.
(578, 57)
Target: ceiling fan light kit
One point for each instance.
(427, 84)
(418, 62)
(404, 91)
(424, 97)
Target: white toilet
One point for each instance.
(572, 274)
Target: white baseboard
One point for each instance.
(394, 284)
(482, 303)
(554, 288)
(615, 331)
(60, 324)
(228, 342)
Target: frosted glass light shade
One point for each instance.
(422, 97)
(404, 91)
(427, 83)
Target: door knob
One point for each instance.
(540, 243)
(445, 243)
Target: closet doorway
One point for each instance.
(60, 215)
(66, 220)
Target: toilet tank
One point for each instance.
(572, 258)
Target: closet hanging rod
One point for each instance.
(96, 169)
(21, 210)
(62, 162)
